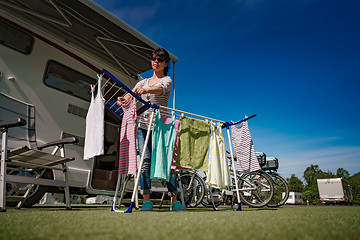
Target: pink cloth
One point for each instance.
(167, 120)
(127, 148)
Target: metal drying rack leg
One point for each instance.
(135, 191)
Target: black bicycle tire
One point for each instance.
(253, 194)
(286, 186)
(202, 187)
(206, 203)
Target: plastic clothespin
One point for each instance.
(99, 76)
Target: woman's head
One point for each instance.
(161, 56)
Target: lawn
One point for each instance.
(287, 222)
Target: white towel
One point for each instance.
(244, 148)
(94, 135)
(218, 171)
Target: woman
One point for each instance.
(157, 90)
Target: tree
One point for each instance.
(295, 184)
(311, 174)
(354, 182)
(342, 173)
(311, 194)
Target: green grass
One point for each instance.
(299, 222)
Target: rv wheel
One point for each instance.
(17, 189)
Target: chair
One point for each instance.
(20, 154)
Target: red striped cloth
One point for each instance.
(244, 148)
(127, 149)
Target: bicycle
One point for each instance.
(281, 185)
(256, 189)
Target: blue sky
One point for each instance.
(296, 64)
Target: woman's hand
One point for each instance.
(139, 91)
(121, 101)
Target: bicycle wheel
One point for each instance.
(256, 189)
(207, 202)
(281, 193)
(193, 189)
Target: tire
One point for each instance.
(229, 200)
(256, 189)
(18, 189)
(206, 202)
(281, 186)
(194, 193)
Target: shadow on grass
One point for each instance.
(164, 208)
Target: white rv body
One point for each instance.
(294, 198)
(83, 38)
(334, 190)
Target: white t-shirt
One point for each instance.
(162, 99)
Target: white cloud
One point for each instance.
(327, 158)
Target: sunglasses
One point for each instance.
(159, 59)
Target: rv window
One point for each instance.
(68, 80)
(14, 38)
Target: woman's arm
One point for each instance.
(157, 90)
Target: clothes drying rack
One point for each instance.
(112, 106)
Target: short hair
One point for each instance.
(161, 52)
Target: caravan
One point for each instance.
(334, 190)
(294, 198)
(50, 53)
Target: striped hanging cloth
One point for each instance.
(244, 148)
(127, 146)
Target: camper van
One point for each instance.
(294, 198)
(50, 53)
(334, 190)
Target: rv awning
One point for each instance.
(89, 27)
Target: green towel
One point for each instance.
(193, 144)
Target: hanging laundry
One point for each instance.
(163, 140)
(167, 120)
(244, 148)
(218, 175)
(127, 146)
(193, 144)
(94, 135)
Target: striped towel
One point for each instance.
(244, 148)
(127, 148)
